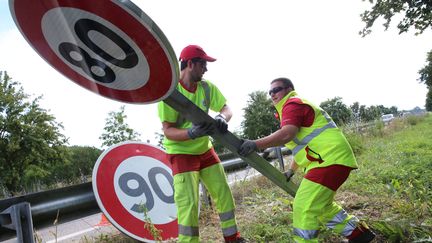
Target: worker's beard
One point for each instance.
(197, 78)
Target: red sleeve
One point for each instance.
(299, 115)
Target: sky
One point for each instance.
(314, 43)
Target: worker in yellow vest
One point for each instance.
(191, 152)
(321, 149)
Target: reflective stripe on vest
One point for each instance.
(350, 226)
(339, 218)
(301, 144)
(306, 234)
(229, 231)
(226, 216)
(188, 230)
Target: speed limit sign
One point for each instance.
(132, 182)
(109, 47)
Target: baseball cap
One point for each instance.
(192, 51)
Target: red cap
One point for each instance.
(193, 51)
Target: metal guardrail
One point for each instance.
(63, 204)
(72, 202)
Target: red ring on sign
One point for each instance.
(105, 188)
(29, 13)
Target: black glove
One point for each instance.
(221, 123)
(199, 130)
(288, 174)
(247, 147)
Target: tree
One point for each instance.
(355, 109)
(393, 110)
(416, 14)
(426, 78)
(363, 113)
(83, 159)
(370, 113)
(429, 100)
(386, 110)
(340, 113)
(30, 140)
(116, 129)
(259, 119)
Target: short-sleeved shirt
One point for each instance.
(299, 115)
(168, 114)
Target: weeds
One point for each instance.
(55, 223)
(149, 226)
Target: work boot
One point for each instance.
(365, 237)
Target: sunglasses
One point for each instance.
(276, 90)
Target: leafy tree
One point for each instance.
(416, 14)
(340, 113)
(426, 71)
(259, 117)
(393, 110)
(429, 100)
(116, 129)
(30, 140)
(426, 78)
(355, 109)
(363, 113)
(385, 110)
(370, 113)
(83, 159)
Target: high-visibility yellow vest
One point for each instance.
(215, 102)
(321, 144)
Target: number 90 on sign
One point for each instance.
(146, 188)
(133, 184)
(95, 48)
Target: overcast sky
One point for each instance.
(314, 43)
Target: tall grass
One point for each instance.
(395, 175)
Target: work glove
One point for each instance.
(221, 123)
(199, 130)
(288, 174)
(247, 147)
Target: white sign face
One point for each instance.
(95, 48)
(132, 182)
(111, 48)
(142, 181)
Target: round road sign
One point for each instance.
(109, 47)
(133, 184)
